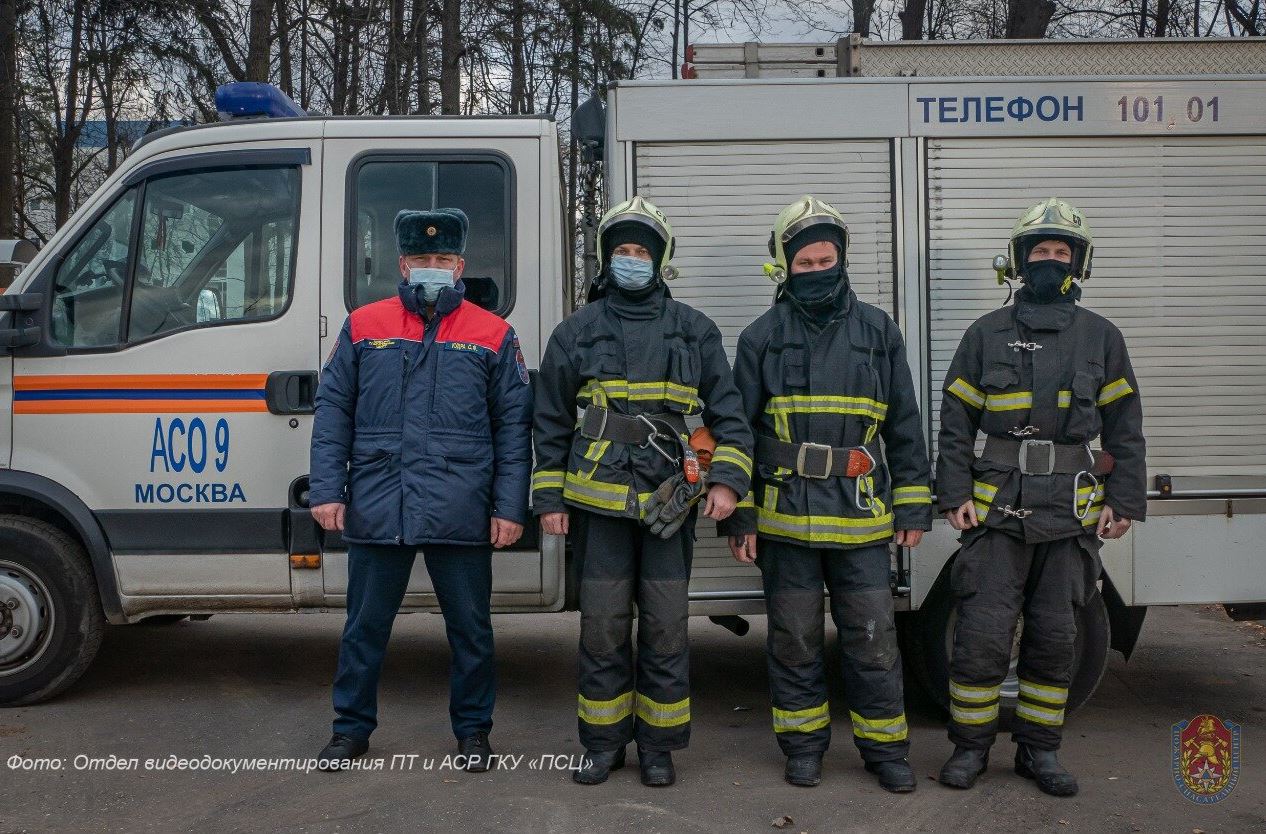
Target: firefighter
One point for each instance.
(1042, 378)
(422, 438)
(824, 380)
(638, 363)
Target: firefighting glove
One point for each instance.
(670, 503)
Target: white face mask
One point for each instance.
(433, 279)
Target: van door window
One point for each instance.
(215, 247)
(383, 185)
(90, 285)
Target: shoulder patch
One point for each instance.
(518, 360)
(380, 344)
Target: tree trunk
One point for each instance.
(912, 20)
(257, 42)
(676, 34)
(8, 117)
(518, 60)
(421, 56)
(450, 57)
(1029, 18)
(863, 12)
(285, 72)
(1163, 10)
(393, 65)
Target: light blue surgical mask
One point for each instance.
(631, 273)
(433, 279)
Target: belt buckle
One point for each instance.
(802, 457)
(1026, 449)
(594, 411)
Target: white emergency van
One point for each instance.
(161, 351)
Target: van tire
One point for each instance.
(51, 594)
(929, 640)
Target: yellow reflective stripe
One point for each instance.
(595, 493)
(824, 528)
(1013, 401)
(826, 404)
(982, 510)
(1053, 695)
(963, 715)
(663, 715)
(911, 495)
(605, 712)
(1039, 715)
(974, 694)
(983, 491)
(599, 391)
(1065, 399)
(547, 479)
(802, 720)
(1114, 391)
(967, 392)
(748, 500)
(771, 497)
(729, 454)
(880, 729)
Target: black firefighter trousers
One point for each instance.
(861, 606)
(995, 578)
(621, 562)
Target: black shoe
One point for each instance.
(895, 776)
(598, 765)
(477, 752)
(657, 768)
(1043, 767)
(340, 751)
(963, 767)
(804, 770)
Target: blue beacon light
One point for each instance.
(252, 99)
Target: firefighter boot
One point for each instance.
(963, 767)
(657, 768)
(1043, 767)
(895, 776)
(804, 770)
(598, 765)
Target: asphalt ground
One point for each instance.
(258, 686)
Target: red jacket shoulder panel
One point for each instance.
(386, 319)
(475, 325)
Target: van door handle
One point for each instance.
(291, 392)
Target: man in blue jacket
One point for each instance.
(422, 438)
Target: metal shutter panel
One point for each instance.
(1180, 267)
(722, 199)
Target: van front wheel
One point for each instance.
(51, 621)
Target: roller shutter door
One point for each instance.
(722, 199)
(1180, 267)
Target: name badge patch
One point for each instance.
(465, 346)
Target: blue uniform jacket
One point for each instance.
(423, 428)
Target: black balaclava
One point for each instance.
(819, 294)
(628, 231)
(1049, 281)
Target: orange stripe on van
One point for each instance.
(57, 382)
(137, 406)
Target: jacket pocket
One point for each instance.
(684, 372)
(374, 487)
(380, 386)
(1083, 421)
(456, 500)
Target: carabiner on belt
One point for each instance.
(1079, 512)
(650, 439)
(1014, 513)
(857, 484)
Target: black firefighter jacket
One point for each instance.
(651, 355)
(1054, 372)
(845, 384)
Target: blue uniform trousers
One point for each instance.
(377, 578)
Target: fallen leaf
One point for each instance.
(783, 822)
(1063, 822)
